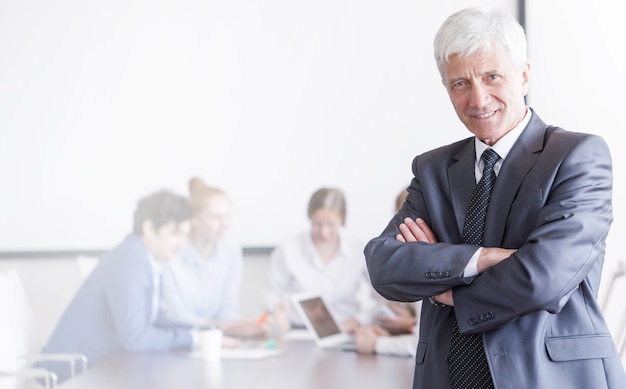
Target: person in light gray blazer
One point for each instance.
(116, 309)
(530, 289)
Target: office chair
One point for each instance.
(18, 337)
(86, 264)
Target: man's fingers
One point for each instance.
(416, 231)
(430, 237)
(407, 233)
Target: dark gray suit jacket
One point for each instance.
(542, 325)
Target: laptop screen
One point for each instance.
(320, 318)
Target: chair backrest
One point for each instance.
(86, 264)
(18, 332)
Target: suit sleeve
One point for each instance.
(129, 297)
(413, 271)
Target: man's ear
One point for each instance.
(147, 228)
(526, 78)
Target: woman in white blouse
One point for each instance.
(324, 259)
(201, 286)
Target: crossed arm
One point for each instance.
(418, 231)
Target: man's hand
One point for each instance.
(415, 231)
(419, 231)
(445, 298)
(490, 256)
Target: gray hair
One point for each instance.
(475, 29)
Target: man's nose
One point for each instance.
(479, 95)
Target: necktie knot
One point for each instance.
(489, 157)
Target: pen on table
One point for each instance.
(262, 319)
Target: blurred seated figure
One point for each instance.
(115, 309)
(392, 334)
(402, 321)
(400, 199)
(324, 259)
(201, 285)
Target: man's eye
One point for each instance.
(458, 84)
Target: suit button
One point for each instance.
(442, 274)
(428, 275)
(448, 273)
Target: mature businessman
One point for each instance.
(521, 281)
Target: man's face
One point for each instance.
(165, 242)
(487, 92)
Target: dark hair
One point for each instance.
(161, 208)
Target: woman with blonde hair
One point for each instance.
(201, 286)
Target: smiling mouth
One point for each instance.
(486, 115)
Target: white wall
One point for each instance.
(104, 101)
(577, 82)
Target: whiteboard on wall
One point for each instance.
(103, 102)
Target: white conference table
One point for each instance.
(302, 366)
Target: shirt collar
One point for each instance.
(155, 265)
(344, 250)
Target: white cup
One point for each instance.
(211, 344)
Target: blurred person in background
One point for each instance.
(324, 259)
(201, 285)
(395, 334)
(116, 307)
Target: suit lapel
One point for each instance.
(462, 181)
(515, 167)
